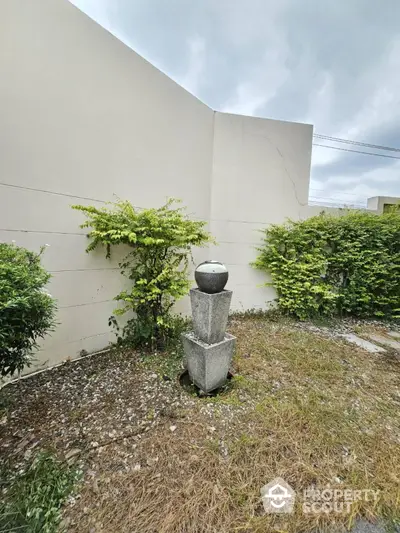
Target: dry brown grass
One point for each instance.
(317, 412)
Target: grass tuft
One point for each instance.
(31, 499)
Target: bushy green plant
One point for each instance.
(26, 309)
(328, 265)
(160, 241)
(136, 331)
(32, 499)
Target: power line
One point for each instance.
(328, 197)
(357, 143)
(355, 202)
(338, 204)
(355, 151)
(333, 200)
(340, 192)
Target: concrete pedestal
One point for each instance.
(210, 314)
(208, 364)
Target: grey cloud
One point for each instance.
(353, 164)
(314, 61)
(350, 165)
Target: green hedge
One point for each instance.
(327, 265)
(26, 310)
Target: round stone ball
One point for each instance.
(211, 276)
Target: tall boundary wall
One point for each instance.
(84, 120)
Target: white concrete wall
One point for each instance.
(84, 118)
(261, 171)
(378, 203)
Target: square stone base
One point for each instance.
(208, 364)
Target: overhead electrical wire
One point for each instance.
(314, 197)
(340, 192)
(356, 143)
(356, 151)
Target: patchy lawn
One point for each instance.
(311, 409)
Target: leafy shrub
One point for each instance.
(136, 332)
(32, 498)
(327, 265)
(26, 310)
(161, 241)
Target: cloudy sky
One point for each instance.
(331, 63)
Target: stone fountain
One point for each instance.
(209, 349)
